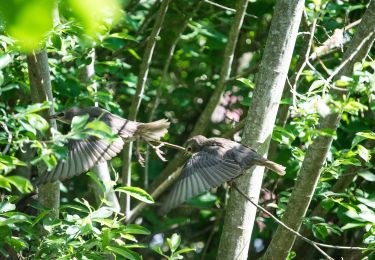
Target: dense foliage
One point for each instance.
(342, 209)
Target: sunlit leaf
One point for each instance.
(123, 251)
(27, 21)
(174, 242)
(79, 121)
(6, 206)
(367, 175)
(136, 229)
(22, 184)
(137, 193)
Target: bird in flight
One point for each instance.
(85, 153)
(214, 162)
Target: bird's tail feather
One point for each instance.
(153, 131)
(279, 169)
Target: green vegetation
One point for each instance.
(111, 38)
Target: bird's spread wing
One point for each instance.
(82, 156)
(201, 172)
(123, 127)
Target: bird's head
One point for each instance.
(195, 143)
(66, 116)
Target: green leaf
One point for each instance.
(6, 206)
(22, 184)
(5, 59)
(363, 153)
(134, 54)
(184, 250)
(15, 218)
(137, 193)
(174, 242)
(320, 231)
(37, 122)
(56, 41)
(367, 175)
(159, 251)
(17, 243)
(123, 251)
(100, 129)
(247, 82)
(79, 121)
(347, 161)
(4, 183)
(27, 21)
(353, 225)
(103, 212)
(136, 229)
(368, 202)
(31, 109)
(368, 135)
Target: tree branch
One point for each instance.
(316, 153)
(142, 77)
(240, 215)
(317, 245)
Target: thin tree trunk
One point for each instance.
(101, 169)
(316, 153)
(136, 102)
(240, 214)
(205, 118)
(40, 86)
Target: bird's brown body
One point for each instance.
(214, 162)
(85, 153)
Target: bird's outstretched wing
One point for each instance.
(82, 156)
(204, 170)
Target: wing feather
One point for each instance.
(82, 156)
(204, 170)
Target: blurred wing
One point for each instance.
(82, 156)
(123, 127)
(201, 172)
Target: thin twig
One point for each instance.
(313, 243)
(343, 63)
(228, 9)
(311, 39)
(10, 137)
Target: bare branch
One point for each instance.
(228, 9)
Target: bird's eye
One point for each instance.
(188, 149)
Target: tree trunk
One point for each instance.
(40, 86)
(240, 214)
(316, 153)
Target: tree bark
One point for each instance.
(101, 169)
(136, 102)
(240, 214)
(41, 90)
(316, 153)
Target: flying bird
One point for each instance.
(214, 162)
(85, 153)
